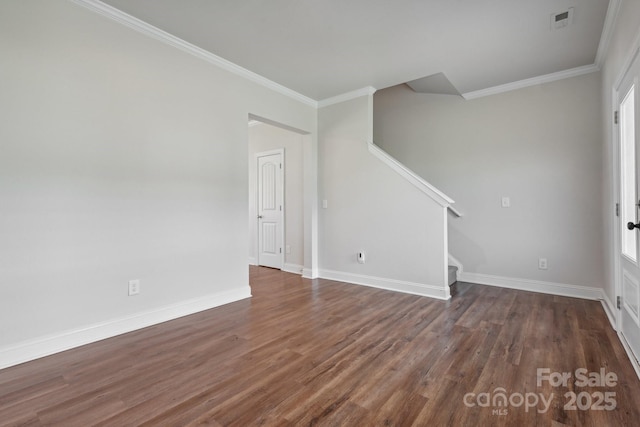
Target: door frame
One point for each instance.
(310, 207)
(283, 176)
(616, 98)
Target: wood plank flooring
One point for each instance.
(302, 353)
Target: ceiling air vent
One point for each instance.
(562, 20)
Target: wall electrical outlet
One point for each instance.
(134, 287)
(542, 264)
(506, 202)
(287, 249)
(361, 258)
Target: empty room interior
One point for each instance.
(340, 213)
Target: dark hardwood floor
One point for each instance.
(304, 352)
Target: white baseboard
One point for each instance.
(388, 284)
(609, 309)
(55, 343)
(292, 268)
(288, 267)
(309, 273)
(630, 355)
(551, 288)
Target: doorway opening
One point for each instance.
(276, 197)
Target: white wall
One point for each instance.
(624, 39)
(540, 146)
(371, 208)
(264, 137)
(120, 158)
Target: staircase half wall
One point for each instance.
(369, 204)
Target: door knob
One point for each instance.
(631, 225)
(260, 217)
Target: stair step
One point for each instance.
(453, 274)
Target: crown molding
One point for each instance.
(158, 34)
(149, 30)
(547, 78)
(607, 31)
(347, 96)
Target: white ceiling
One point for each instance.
(323, 48)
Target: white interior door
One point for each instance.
(270, 210)
(629, 277)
